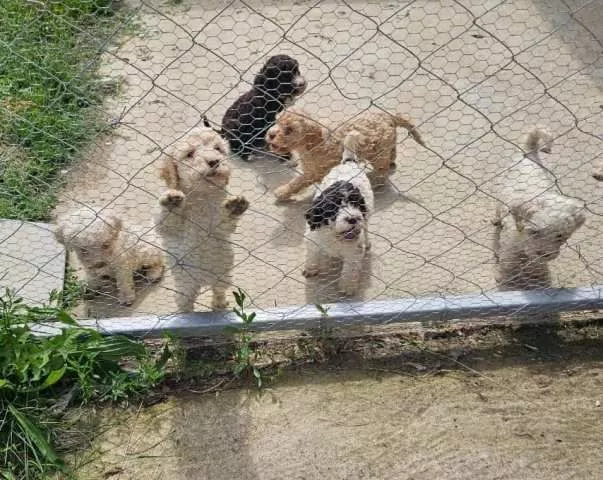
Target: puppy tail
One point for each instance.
(351, 144)
(206, 124)
(539, 139)
(59, 234)
(405, 122)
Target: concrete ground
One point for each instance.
(520, 409)
(474, 75)
(32, 262)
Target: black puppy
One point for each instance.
(248, 119)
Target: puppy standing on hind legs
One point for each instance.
(197, 217)
(516, 267)
(337, 221)
(541, 219)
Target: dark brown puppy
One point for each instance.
(248, 119)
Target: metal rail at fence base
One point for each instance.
(422, 309)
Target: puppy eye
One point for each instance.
(106, 245)
(218, 148)
(190, 154)
(287, 130)
(559, 237)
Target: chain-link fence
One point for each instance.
(465, 213)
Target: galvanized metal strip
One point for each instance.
(427, 309)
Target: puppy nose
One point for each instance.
(352, 220)
(213, 163)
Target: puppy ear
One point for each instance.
(315, 216)
(114, 225)
(206, 124)
(169, 173)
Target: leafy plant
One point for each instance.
(245, 354)
(39, 370)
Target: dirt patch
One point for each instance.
(506, 404)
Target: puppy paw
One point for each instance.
(348, 289)
(236, 206)
(219, 303)
(127, 298)
(310, 271)
(282, 194)
(171, 199)
(153, 273)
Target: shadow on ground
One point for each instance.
(486, 403)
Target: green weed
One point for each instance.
(39, 374)
(245, 354)
(49, 52)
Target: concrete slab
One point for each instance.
(32, 262)
(474, 77)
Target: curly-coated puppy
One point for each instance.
(246, 122)
(543, 215)
(337, 221)
(517, 267)
(105, 249)
(197, 217)
(319, 149)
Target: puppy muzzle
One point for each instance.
(351, 233)
(300, 84)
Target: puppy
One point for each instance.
(518, 267)
(105, 250)
(197, 217)
(337, 222)
(544, 217)
(319, 149)
(246, 122)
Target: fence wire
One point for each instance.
(468, 212)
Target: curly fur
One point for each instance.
(337, 221)
(319, 149)
(105, 249)
(517, 268)
(197, 217)
(543, 215)
(246, 122)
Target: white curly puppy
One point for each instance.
(197, 217)
(337, 221)
(544, 217)
(105, 249)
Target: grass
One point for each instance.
(48, 91)
(41, 376)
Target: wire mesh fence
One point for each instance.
(474, 209)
